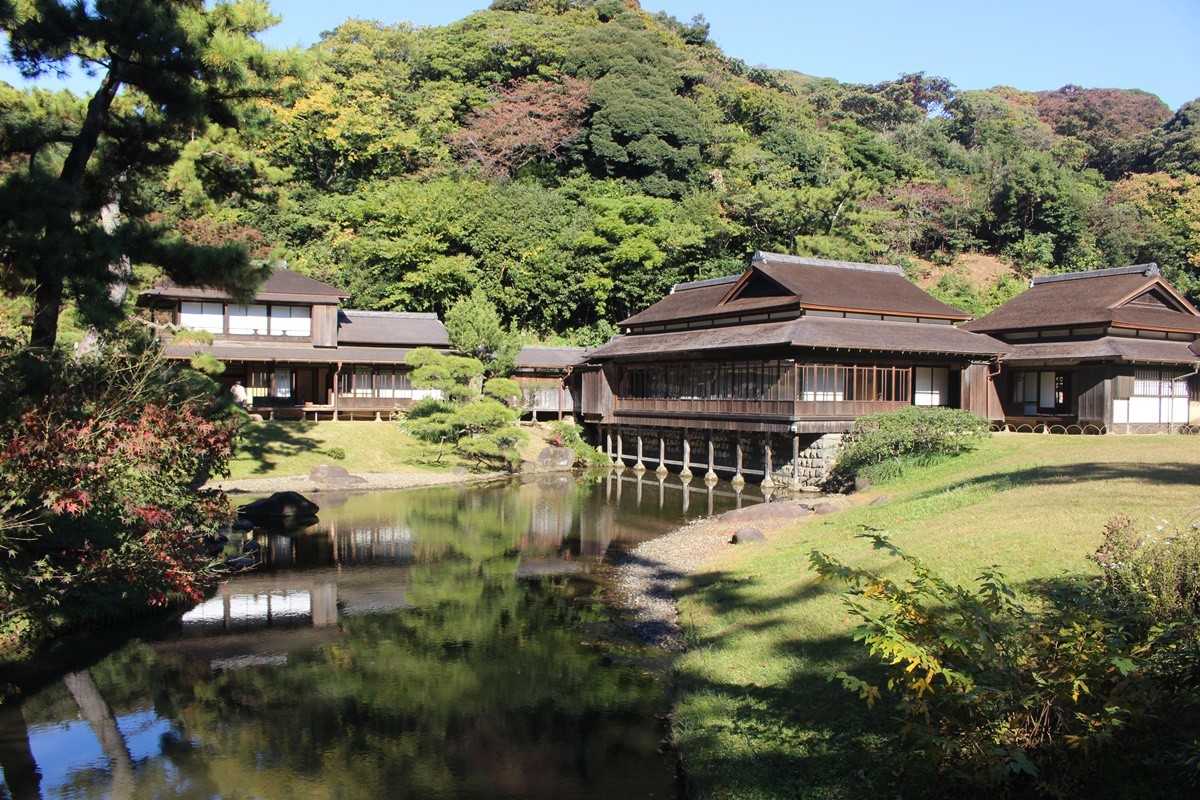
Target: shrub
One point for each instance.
(571, 436)
(1017, 702)
(882, 444)
(100, 514)
(1155, 578)
(336, 453)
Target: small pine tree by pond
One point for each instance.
(1015, 703)
(882, 444)
(471, 416)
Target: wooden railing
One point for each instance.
(795, 409)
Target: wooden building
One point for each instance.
(296, 352)
(762, 373)
(1111, 350)
(548, 380)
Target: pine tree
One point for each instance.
(168, 70)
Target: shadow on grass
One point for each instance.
(1173, 474)
(802, 736)
(268, 443)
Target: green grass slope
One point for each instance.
(285, 448)
(756, 717)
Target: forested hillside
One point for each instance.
(575, 159)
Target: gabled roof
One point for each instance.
(810, 332)
(282, 285)
(535, 357)
(1127, 297)
(780, 283)
(394, 328)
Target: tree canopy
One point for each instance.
(169, 72)
(569, 161)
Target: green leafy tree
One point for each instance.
(474, 328)
(184, 67)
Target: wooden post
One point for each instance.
(738, 480)
(711, 475)
(337, 372)
(686, 472)
(620, 450)
(608, 443)
(795, 461)
(639, 467)
(767, 481)
(662, 457)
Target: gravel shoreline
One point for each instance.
(644, 579)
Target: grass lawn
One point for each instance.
(756, 717)
(282, 448)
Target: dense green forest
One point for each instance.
(575, 159)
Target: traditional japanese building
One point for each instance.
(762, 373)
(1111, 350)
(548, 380)
(295, 351)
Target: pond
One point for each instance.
(434, 643)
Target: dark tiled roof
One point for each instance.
(1083, 299)
(282, 285)
(396, 328)
(296, 353)
(808, 332)
(801, 282)
(1105, 348)
(533, 357)
(861, 287)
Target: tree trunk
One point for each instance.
(21, 774)
(48, 297)
(96, 711)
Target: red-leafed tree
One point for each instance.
(100, 457)
(528, 121)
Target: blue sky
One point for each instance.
(1030, 44)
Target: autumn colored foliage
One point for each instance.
(100, 510)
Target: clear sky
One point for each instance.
(1030, 44)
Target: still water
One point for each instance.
(433, 643)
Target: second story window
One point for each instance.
(202, 316)
(291, 321)
(248, 320)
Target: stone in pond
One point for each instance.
(281, 504)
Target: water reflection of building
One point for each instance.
(259, 620)
(582, 521)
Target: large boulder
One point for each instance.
(280, 505)
(831, 504)
(745, 535)
(765, 511)
(555, 458)
(330, 476)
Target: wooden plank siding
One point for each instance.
(324, 325)
(979, 394)
(1095, 395)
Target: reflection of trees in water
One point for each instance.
(483, 682)
(441, 674)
